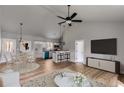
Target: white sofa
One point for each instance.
(10, 78)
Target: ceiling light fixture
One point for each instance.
(68, 21)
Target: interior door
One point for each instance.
(79, 51)
(38, 50)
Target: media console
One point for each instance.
(104, 64)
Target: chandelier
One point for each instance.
(20, 40)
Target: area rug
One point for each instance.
(48, 80)
(25, 67)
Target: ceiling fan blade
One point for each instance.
(61, 17)
(73, 15)
(70, 24)
(61, 22)
(76, 20)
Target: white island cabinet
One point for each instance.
(61, 56)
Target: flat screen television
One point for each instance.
(104, 46)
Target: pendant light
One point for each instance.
(21, 24)
(20, 38)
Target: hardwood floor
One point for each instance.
(47, 66)
(121, 78)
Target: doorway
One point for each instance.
(38, 49)
(79, 51)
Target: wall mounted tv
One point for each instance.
(104, 46)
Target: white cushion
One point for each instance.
(10, 79)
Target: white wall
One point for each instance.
(31, 38)
(0, 31)
(28, 37)
(89, 31)
(0, 41)
(25, 36)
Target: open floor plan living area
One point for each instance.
(61, 46)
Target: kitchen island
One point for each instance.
(61, 56)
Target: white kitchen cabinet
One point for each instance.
(61, 56)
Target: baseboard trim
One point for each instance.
(122, 73)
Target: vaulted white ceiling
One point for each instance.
(42, 21)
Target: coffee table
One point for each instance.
(66, 79)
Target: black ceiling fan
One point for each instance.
(69, 19)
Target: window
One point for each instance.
(9, 45)
(8, 49)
